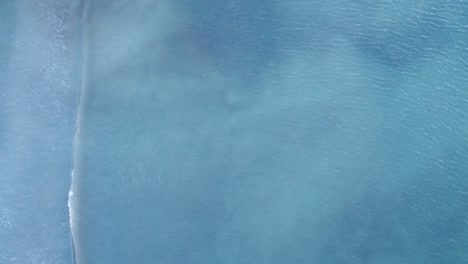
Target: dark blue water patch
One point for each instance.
(412, 34)
(240, 36)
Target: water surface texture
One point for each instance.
(38, 101)
(242, 132)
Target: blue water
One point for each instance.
(235, 132)
(274, 132)
(38, 101)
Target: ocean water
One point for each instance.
(273, 132)
(235, 132)
(38, 101)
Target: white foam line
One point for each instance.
(72, 219)
(82, 28)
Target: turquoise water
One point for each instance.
(274, 132)
(235, 132)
